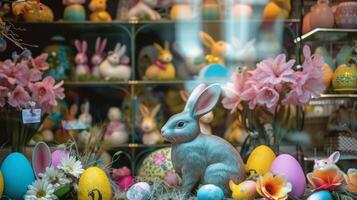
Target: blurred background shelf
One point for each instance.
(327, 35)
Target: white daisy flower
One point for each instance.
(40, 190)
(69, 165)
(54, 176)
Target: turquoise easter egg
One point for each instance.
(18, 175)
(320, 195)
(74, 12)
(210, 192)
(214, 71)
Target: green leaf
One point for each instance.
(63, 191)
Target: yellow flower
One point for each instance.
(273, 187)
(351, 180)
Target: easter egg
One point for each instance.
(157, 166)
(260, 160)
(44, 14)
(320, 195)
(75, 12)
(138, 191)
(327, 75)
(214, 71)
(94, 183)
(210, 192)
(288, 166)
(244, 190)
(57, 157)
(18, 175)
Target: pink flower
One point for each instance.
(312, 63)
(249, 94)
(267, 97)
(159, 159)
(19, 98)
(3, 94)
(40, 63)
(275, 71)
(232, 92)
(44, 93)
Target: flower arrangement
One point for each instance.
(273, 86)
(22, 86)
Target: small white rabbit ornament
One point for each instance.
(115, 133)
(201, 158)
(115, 66)
(331, 160)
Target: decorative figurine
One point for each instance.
(98, 57)
(331, 160)
(99, 13)
(205, 120)
(151, 134)
(210, 10)
(74, 10)
(144, 10)
(163, 67)
(32, 11)
(218, 49)
(181, 10)
(213, 159)
(115, 133)
(81, 58)
(85, 115)
(115, 66)
(277, 9)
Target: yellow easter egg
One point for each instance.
(1, 184)
(94, 184)
(260, 160)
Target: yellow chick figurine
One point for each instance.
(244, 191)
(163, 68)
(277, 8)
(99, 13)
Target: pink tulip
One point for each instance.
(40, 63)
(232, 92)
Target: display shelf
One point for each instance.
(143, 82)
(319, 157)
(330, 96)
(327, 34)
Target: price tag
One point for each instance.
(30, 116)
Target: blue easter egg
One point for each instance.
(210, 192)
(74, 12)
(320, 195)
(214, 71)
(18, 175)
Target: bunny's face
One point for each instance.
(148, 124)
(220, 49)
(97, 59)
(98, 5)
(114, 58)
(165, 56)
(80, 58)
(180, 128)
(114, 114)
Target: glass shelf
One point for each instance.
(327, 35)
(330, 96)
(142, 82)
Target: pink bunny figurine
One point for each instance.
(81, 58)
(123, 178)
(98, 57)
(332, 160)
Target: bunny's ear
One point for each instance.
(208, 41)
(97, 45)
(117, 47)
(158, 47)
(184, 95)
(144, 110)
(194, 96)
(206, 100)
(41, 158)
(121, 50)
(167, 45)
(334, 157)
(77, 43)
(84, 46)
(155, 110)
(103, 45)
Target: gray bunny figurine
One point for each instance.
(201, 158)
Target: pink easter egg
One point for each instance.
(57, 157)
(287, 166)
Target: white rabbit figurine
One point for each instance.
(98, 57)
(205, 120)
(115, 133)
(331, 160)
(144, 8)
(151, 134)
(115, 66)
(201, 158)
(81, 58)
(85, 116)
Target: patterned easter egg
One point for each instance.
(157, 166)
(139, 191)
(210, 192)
(94, 184)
